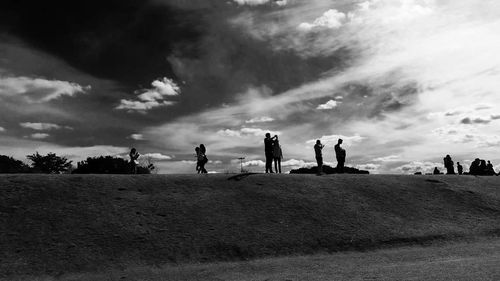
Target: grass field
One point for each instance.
(475, 260)
(59, 225)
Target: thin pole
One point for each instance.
(241, 164)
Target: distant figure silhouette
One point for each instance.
(448, 164)
(341, 155)
(460, 169)
(197, 150)
(277, 155)
(474, 167)
(436, 171)
(202, 158)
(134, 155)
(268, 149)
(318, 147)
(490, 171)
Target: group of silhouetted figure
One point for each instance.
(273, 153)
(340, 154)
(478, 167)
(201, 159)
(272, 149)
(134, 156)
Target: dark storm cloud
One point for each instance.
(478, 120)
(136, 42)
(127, 41)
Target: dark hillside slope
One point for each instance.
(65, 223)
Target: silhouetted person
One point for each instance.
(460, 169)
(268, 149)
(448, 164)
(474, 167)
(277, 155)
(202, 159)
(318, 147)
(340, 154)
(134, 155)
(436, 171)
(490, 171)
(197, 150)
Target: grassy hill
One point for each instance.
(55, 224)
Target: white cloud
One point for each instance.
(418, 166)
(332, 139)
(40, 136)
(263, 119)
(330, 19)
(137, 137)
(141, 105)
(258, 132)
(42, 126)
(2, 129)
(156, 156)
(260, 2)
(293, 163)
(37, 90)
(331, 104)
(390, 158)
(229, 133)
(254, 163)
(369, 167)
(246, 132)
(466, 135)
(152, 98)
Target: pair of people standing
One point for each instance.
(340, 154)
(272, 149)
(201, 159)
(134, 155)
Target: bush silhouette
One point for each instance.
(328, 170)
(107, 165)
(49, 164)
(11, 165)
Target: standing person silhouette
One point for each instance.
(490, 171)
(277, 155)
(318, 147)
(197, 150)
(474, 167)
(460, 168)
(268, 149)
(449, 165)
(340, 154)
(203, 158)
(134, 155)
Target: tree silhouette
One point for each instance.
(11, 165)
(49, 164)
(109, 165)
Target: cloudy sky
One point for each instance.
(403, 82)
